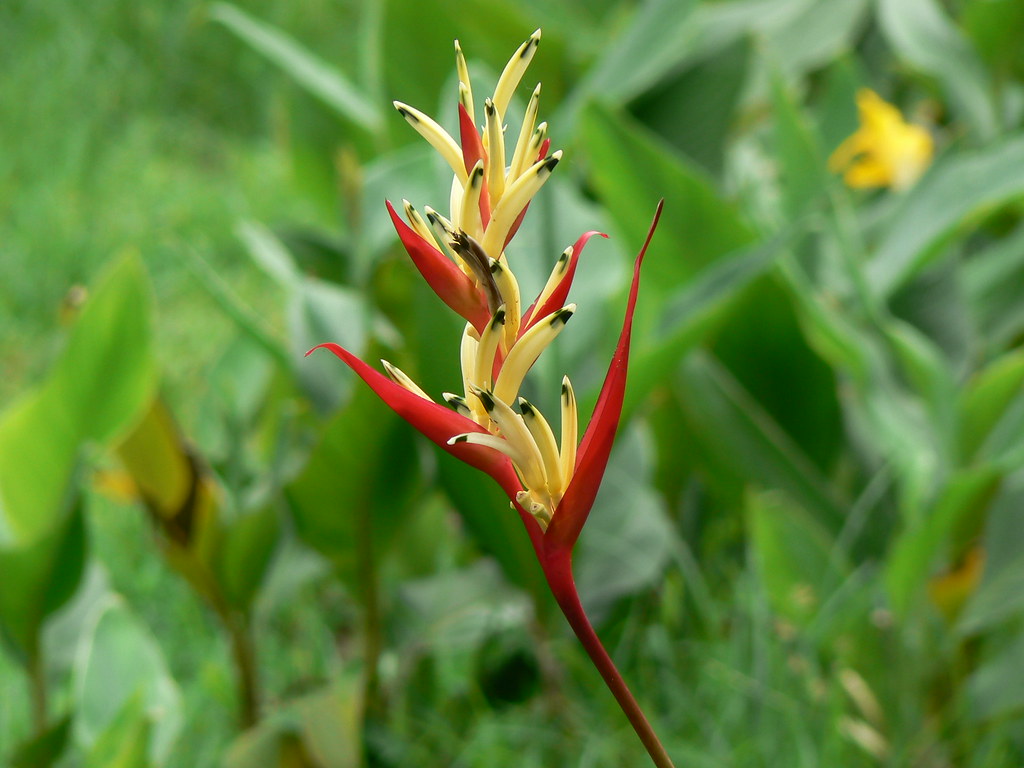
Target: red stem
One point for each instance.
(558, 570)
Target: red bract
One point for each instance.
(438, 423)
(448, 281)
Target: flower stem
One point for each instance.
(558, 569)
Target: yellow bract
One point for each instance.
(886, 151)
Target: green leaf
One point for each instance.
(355, 487)
(319, 729)
(660, 35)
(986, 398)
(44, 750)
(495, 528)
(99, 385)
(320, 312)
(119, 661)
(962, 504)
(793, 555)
(316, 76)
(269, 254)
(248, 544)
(734, 431)
(632, 171)
(999, 600)
(801, 160)
(996, 688)
(992, 280)
(628, 539)
(41, 576)
(996, 28)
(920, 32)
(125, 742)
(928, 371)
(692, 312)
(959, 191)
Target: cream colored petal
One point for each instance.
(402, 380)
(513, 73)
(465, 85)
(469, 213)
(526, 350)
(545, 440)
(508, 289)
(570, 430)
(556, 277)
(436, 136)
(516, 196)
(487, 348)
(417, 222)
(514, 430)
(495, 154)
(520, 158)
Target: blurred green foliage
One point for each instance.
(807, 549)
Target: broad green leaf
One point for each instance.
(456, 610)
(494, 526)
(986, 398)
(692, 312)
(322, 728)
(717, 84)
(735, 431)
(320, 312)
(316, 76)
(356, 486)
(44, 750)
(632, 171)
(269, 254)
(660, 35)
(248, 543)
(801, 159)
(959, 191)
(125, 743)
(628, 539)
(996, 687)
(814, 36)
(992, 280)
(103, 378)
(928, 372)
(920, 32)
(950, 523)
(793, 555)
(996, 27)
(119, 660)
(40, 577)
(247, 320)
(999, 599)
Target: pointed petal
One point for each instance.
(436, 422)
(436, 136)
(513, 72)
(596, 446)
(448, 281)
(512, 203)
(465, 85)
(553, 296)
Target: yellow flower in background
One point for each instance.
(886, 151)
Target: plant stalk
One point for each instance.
(558, 569)
(244, 653)
(37, 688)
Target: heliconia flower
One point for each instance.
(550, 482)
(886, 151)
